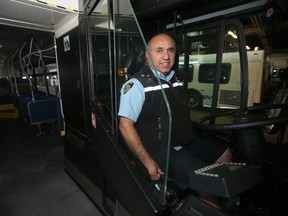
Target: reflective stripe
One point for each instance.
(178, 84)
(164, 86)
(55, 5)
(154, 88)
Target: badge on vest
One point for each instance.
(127, 87)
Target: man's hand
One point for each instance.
(154, 170)
(132, 139)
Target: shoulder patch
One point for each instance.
(127, 87)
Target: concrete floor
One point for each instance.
(32, 177)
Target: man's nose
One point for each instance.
(166, 54)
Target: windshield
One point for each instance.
(210, 67)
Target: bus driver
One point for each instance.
(143, 119)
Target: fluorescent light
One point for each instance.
(232, 34)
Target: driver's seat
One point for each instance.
(277, 153)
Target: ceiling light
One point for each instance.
(232, 34)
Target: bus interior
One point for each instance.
(233, 66)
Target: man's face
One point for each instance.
(162, 53)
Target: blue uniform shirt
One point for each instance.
(133, 96)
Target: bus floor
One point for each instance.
(32, 177)
(33, 181)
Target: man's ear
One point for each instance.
(147, 57)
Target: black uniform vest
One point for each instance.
(153, 122)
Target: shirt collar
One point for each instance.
(161, 76)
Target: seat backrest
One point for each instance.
(280, 97)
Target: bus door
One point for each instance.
(213, 66)
(117, 49)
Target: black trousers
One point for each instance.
(201, 152)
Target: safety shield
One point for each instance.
(119, 49)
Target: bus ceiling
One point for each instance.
(151, 9)
(265, 21)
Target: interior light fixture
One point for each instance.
(232, 34)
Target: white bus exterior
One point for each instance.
(201, 74)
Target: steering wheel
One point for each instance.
(244, 122)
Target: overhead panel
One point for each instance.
(34, 14)
(63, 4)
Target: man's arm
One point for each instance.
(132, 139)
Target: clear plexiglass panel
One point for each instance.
(118, 48)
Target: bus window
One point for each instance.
(47, 82)
(100, 58)
(207, 73)
(212, 70)
(181, 72)
(200, 55)
(229, 93)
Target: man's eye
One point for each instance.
(163, 50)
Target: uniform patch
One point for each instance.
(127, 87)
